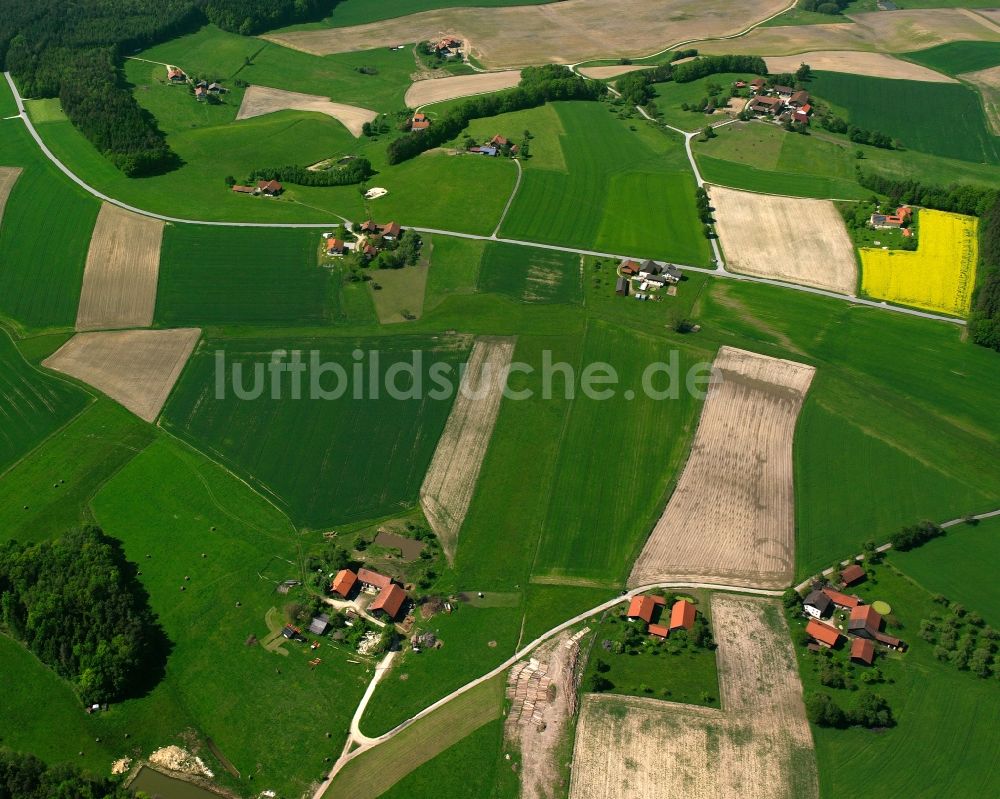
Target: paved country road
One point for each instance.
(718, 272)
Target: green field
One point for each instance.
(454, 268)
(956, 129)
(623, 191)
(226, 275)
(531, 274)
(41, 263)
(954, 58)
(359, 12)
(32, 403)
(398, 294)
(670, 96)
(323, 460)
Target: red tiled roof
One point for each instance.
(863, 649)
(343, 582)
(868, 616)
(243, 189)
(682, 615)
(389, 601)
(854, 572)
(334, 245)
(369, 577)
(641, 607)
(844, 600)
(390, 229)
(823, 633)
(658, 630)
(420, 124)
(499, 140)
(269, 185)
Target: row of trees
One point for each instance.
(871, 711)
(875, 138)
(831, 7)
(24, 776)
(75, 603)
(637, 87)
(354, 171)
(984, 323)
(73, 51)
(538, 86)
(914, 536)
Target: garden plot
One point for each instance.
(854, 62)
(137, 368)
(8, 177)
(758, 746)
(123, 266)
(435, 90)
(786, 238)
(451, 478)
(731, 518)
(260, 100)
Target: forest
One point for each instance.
(26, 777)
(76, 603)
(74, 51)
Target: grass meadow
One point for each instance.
(954, 58)
(323, 461)
(670, 96)
(41, 263)
(454, 269)
(359, 12)
(531, 274)
(957, 128)
(33, 403)
(235, 276)
(626, 189)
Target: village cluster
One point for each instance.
(859, 622)
(648, 608)
(369, 241)
(781, 103)
(203, 90)
(641, 278)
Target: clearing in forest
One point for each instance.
(451, 479)
(123, 266)
(260, 100)
(731, 518)
(425, 92)
(8, 177)
(137, 368)
(758, 746)
(786, 238)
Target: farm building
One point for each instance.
(335, 246)
(758, 84)
(621, 288)
(200, 92)
(817, 605)
(447, 47)
(848, 601)
(765, 105)
(419, 122)
(484, 150)
(389, 601)
(643, 607)
(851, 575)
(898, 219)
(369, 226)
(864, 621)
(802, 114)
(682, 615)
(628, 267)
(823, 634)
(659, 630)
(243, 189)
(176, 75)
(799, 99)
(390, 230)
(862, 651)
(372, 581)
(784, 92)
(343, 584)
(270, 188)
(499, 141)
(320, 624)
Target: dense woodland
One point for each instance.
(26, 777)
(538, 86)
(76, 604)
(73, 51)
(355, 171)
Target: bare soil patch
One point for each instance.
(260, 100)
(543, 694)
(137, 368)
(451, 478)
(8, 177)
(409, 548)
(424, 92)
(731, 518)
(123, 267)
(854, 62)
(566, 32)
(786, 238)
(988, 83)
(758, 747)
(600, 73)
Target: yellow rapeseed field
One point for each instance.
(939, 276)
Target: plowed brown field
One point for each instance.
(8, 177)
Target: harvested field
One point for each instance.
(600, 73)
(137, 368)
(566, 32)
(853, 62)
(786, 238)
(8, 177)
(731, 518)
(435, 90)
(758, 747)
(451, 478)
(260, 100)
(896, 32)
(988, 83)
(123, 266)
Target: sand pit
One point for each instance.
(567, 32)
(260, 100)
(454, 470)
(137, 368)
(853, 62)
(424, 92)
(731, 518)
(758, 746)
(988, 83)
(600, 73)
(123, 266)
(786, 238)
(8, 177)
(375, 192)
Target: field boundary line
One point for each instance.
(510, 200)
